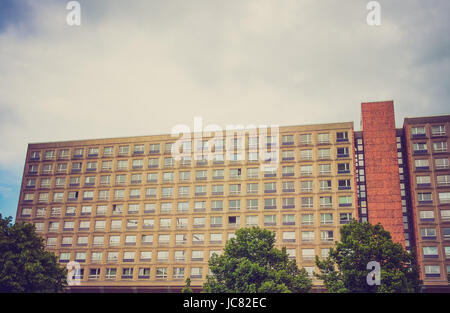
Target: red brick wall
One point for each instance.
(384, 203)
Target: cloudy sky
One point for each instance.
(141, 67)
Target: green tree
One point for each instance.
(24, 264)
(187, 287)
(250, 263)
(345, 269)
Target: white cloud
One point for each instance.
(142, 67)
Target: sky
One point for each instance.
(141, 67)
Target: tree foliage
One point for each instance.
(345, 269)
(251, 264)
(24, 264)
(187, 287)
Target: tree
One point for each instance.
(187, 287)
(345, 269)
(24, 264)
(250, 263)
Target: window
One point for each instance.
(440, 146)
(307, 219)
(305, 139)
(444, 197)
(200, 190)
(270, 203)
(441, 163)
(342, 152)
(325, 185)
(185, 176)
(426, 216)
(443, 180)
(113, 256)
(418, 131)
(153, 163)
(124, 150)
(144, 273)
(423, 181)
(288, 219)
(345, 201)
(326, 218)
(308, 254)
(325, 169)
(234, 205)
(288, 186)
(197, 255)
(425, 198)
(166, 192)
(168, 176)
(324, 154)
(288, 155)
(325, 202)
(323, 138)
(252, 188)
(438, 130)
(341, 136)
(326, 235)
(216, 221)
(122, 165)
(252, 156)
(428, 233)
(199, 222)
(164, 223)
(108, 151)
(216, 205)
(235, 173)
(345, 218)
(80, 257)
(432, 270)
(270, 187)
(182, 207)
(420, 147)
(70, 211)
(196, 272)
(218, 174)
(421, 164)
(233, 221)
(138, 149)
(430, 252)
(306, 155)
(343, 168)
(251, 220)
(307, 202)
(137, 164)
(180, 239)
(154, 148)
(288, 171)
(127, 273)
(270, 220)
(218, 189)
(145, 256)
(306, 170)
(180, 255)
(307, 236)
(288, 203)
(288, 139)
(289, 236)
(199, 206)
(215, 238)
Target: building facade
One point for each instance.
(132, 214)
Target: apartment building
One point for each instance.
(427, 141)
(133, 216)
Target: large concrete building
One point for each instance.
(144, 213)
